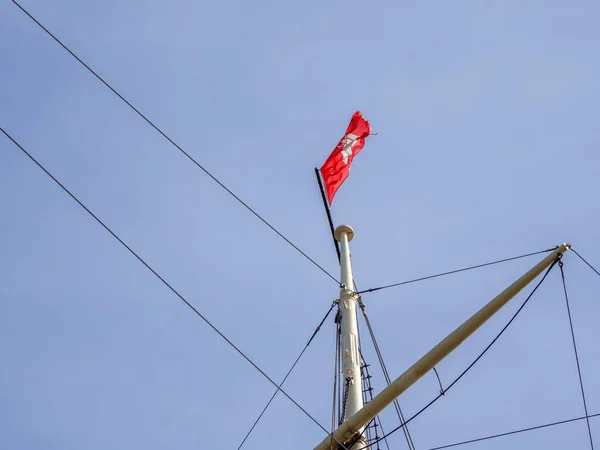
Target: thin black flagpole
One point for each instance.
(328, 211)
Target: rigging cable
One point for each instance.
(455, 271)
(171, 141)
(562, 273)
(165, 282)
(508, 433)
(476, 359)
(286, 377)
(386, 375)
(336, 371)
(439, 380)
(581, 257)
(367, 395)
(383, 431)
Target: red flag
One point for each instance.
(337, 167)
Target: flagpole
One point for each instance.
(353, 400)
(328, 211)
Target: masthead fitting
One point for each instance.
(343, 229)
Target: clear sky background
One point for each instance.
(488, 120)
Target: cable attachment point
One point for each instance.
(360, 302)
(442, 391)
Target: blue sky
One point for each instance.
(487, 114)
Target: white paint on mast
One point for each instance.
(351, 362)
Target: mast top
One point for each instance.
(343, 229)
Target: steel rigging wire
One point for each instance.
(286, 377)
(172, 142)
(401, 283)
(562, 273)
(509, 433)
(589, 265)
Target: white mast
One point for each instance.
(352, 382)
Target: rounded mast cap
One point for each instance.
(343, 229)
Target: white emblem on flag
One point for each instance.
(348, 143)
